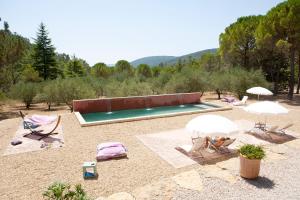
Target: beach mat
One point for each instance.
(34, 142)
(272, 137)
(204, 157)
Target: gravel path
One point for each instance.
(278, 180)
(27, 175)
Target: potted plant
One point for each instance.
(250, 156)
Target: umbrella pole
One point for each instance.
(258, 97)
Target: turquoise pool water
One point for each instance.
(164, 110)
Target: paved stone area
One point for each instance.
(279, 177)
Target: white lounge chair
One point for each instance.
(275, 129)
(242, 102)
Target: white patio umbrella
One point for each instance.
(266, 108)
(213, 125)
(259, 91)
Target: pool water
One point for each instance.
(155, 111)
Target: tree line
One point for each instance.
(254, 51)
(270, 42)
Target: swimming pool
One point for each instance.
(96, 118)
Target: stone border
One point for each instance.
(83, 123)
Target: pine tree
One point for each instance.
(44, 55)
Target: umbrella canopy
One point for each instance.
(266, 107)
(259, 91)
(211, 125)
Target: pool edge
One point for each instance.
(83, 123)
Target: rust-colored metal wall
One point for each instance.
(124, 103)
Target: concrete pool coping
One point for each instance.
(83, 123)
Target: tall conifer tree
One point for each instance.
(44, 55)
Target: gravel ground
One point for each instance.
(27, 175)
(278, 180)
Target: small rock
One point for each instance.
(294, 144)
(217, 172)
(15, 142)
(120, 195)
(189, 180)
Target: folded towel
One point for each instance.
(28, 125)
(41, 119)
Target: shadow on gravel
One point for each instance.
(261, 182)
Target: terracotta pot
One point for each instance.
(249, 168)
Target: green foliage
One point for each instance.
(75, 68)
(97, 84)
(210, 61)
(241, 80)
(100, 70)
(220, 82)
(189, 80)
(24, 92)
(73, 89)
(13, 49)
(44, 55)
(50, 93)
(29, 74)
(3, 97)
(143, 71)
(62, 191)
(238, 44)
(252, 152)
(129, 87)
(123, 66)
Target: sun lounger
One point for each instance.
(242, 102)
(277, 130)
(220, 144)
(207, 142)
(203, 153)
(229, 99)
(41, 131)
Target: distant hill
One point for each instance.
(197, 54)
(156, 60)
(152, 60)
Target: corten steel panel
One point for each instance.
(93, 105)
(123, 103)
(164, 100)
(191, 98)
(127, 103)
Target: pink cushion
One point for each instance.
(110, 150)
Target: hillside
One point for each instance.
(197, 54)
(152, 60)
(156, 60)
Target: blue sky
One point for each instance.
(107, 31)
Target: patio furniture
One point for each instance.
(41, 132)
(259, 91)
(218, 144)
(277, 130)
(242, 102)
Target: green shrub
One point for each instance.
(62, 191)
(128, 87)
(241, 80)
(24, 92)
(220, 82)
(73, 89)
(50, 93)
(188, 80)
(252, 152)
(2, 96)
